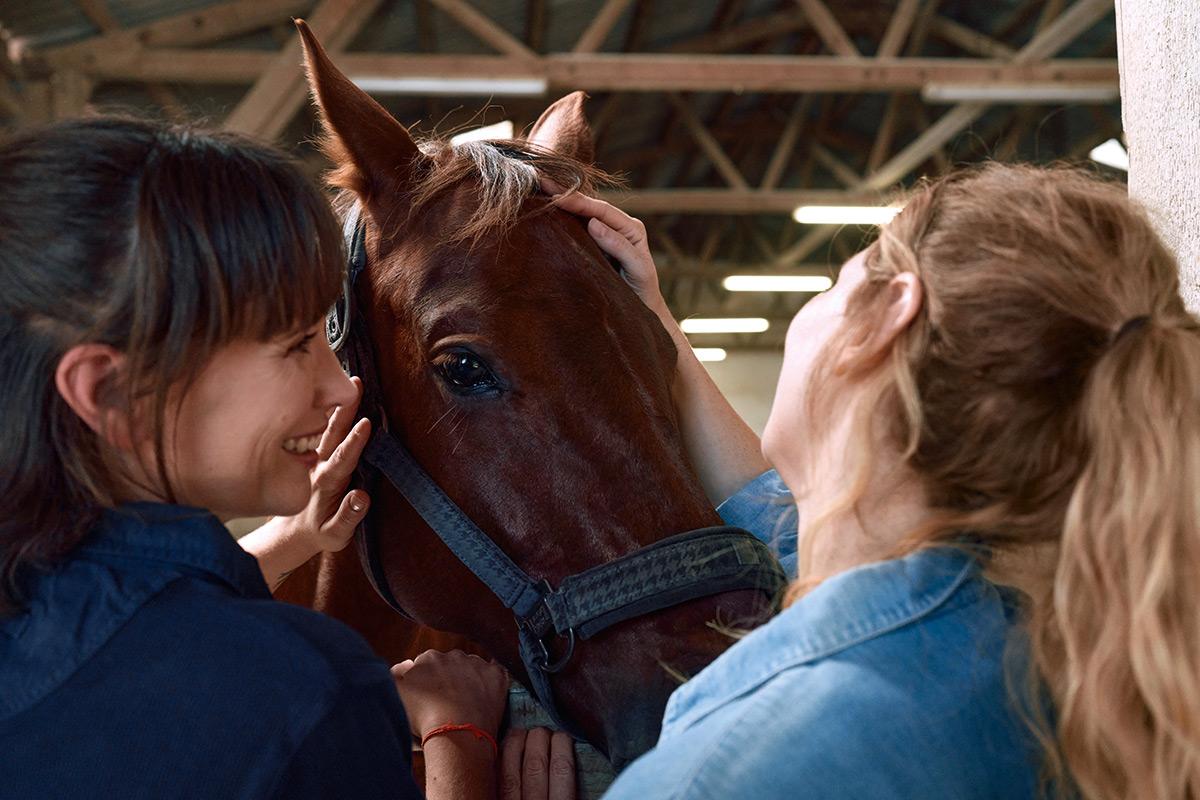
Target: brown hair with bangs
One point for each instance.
(164, 242)
(1048, 397)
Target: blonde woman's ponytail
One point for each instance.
(1119, 638)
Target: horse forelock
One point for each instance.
(500, 176)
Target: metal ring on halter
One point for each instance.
(543, 662)
(337, 322)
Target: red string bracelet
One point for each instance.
(475, 730)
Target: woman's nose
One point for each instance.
(334, 385)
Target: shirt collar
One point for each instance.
(847, 609)
(179, 536)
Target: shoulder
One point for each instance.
(921, 709)
(255, 637)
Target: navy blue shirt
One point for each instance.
(154, 663)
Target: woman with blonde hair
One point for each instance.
(990, 430)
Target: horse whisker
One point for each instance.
(439, 419)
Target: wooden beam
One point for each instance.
(281, 90)
(1064, 30)
(102, 17)
(69, 93)
(1045, 44)
(602, 24)
(190, 29)
(787, 143)
(484, 29)
(536, 19)
(969, 40)
(426, 27)
(884, 134)
(828, 28)
(100, 14)
(708, 144)
(1049, 13)
(733, 201)
(744, 34)
(632, 72)
(840, 170)
(898, 28)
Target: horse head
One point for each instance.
(532, 385)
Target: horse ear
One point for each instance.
(564, 129)
(366, 143)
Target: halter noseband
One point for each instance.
(665, 573)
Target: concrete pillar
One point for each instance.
(1159, 49)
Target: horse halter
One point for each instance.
(665, 573)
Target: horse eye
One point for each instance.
(466, 373)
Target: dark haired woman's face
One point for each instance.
(244, 438)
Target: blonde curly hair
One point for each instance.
(1048, 397)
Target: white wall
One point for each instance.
(748, 378)
(1159, 47)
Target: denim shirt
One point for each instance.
(885, 681)
(153, 663)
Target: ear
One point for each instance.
(564, 129)
(371, 149)
(87, 378)
(905, 295)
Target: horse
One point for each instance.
(534, 387)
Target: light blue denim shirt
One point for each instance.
(886, 681)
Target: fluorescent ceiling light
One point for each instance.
(1111, 154)
(501, 130)
(724, 325)
(845, 215)
(1019, 93)
(709, 353)
(453, 86)
(777, 283)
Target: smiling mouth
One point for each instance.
(302, 444)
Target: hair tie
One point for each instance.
(1131, 324)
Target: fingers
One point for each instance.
(535, 777)
(575, 203)
(562, 767)
(340, 422)
(339, 466)
(616, 245)
(535, 765)
(512, 753)
(399, 670)
(339, 529)
(549, 186)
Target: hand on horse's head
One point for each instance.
(332, 513)
(620, 236)
(452, 688)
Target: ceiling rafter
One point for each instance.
(1057, 35)
(281, 89)
(765, 103)
(485, 29)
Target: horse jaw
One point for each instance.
(375, 155)
(564, 129)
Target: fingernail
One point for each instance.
(356, 506)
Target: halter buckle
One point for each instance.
(541, 660)
(538, 625)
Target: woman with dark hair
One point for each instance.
(162, 293)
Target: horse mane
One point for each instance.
(508, 172)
